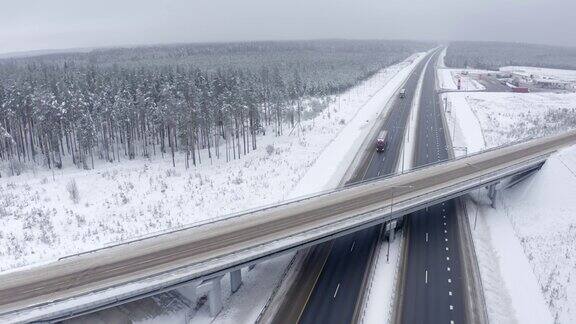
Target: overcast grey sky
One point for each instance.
(55, 24)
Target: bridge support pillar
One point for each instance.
(215, 296)
(492, 194)
(235, 280)
(189, 291)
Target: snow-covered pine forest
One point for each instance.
(125, 103)
(493, 55)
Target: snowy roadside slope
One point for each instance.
(542, 212)
(525, 245)
(535, 221)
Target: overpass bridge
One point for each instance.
(133, 270)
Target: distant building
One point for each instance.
(547, 83)
(504, 75)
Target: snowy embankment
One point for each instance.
(525, 246)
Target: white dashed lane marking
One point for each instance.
(336, 292)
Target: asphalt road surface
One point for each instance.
(493, 85)
(433, 290)
(335, 295)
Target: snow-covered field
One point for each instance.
(556, 74)
(526, 246)
(499, 118)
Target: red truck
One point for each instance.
(521, 90)
(381, 141)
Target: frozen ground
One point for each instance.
(525, 246)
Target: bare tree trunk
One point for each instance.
(170, 142)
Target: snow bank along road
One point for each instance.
(209, 248)
(335, 289)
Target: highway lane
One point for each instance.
(335, 295)
(433, 291)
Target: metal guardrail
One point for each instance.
(463, 204)
(372, 274)
(394, 280)
(275, 290)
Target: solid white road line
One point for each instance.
(336, 292)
